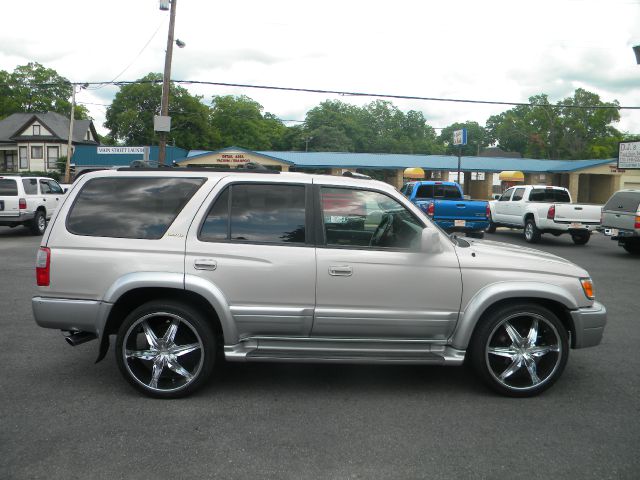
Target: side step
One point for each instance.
(301, 350)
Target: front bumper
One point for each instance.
(589, 325)
(71, 315)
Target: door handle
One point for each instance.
(205, 264)
(340, 270)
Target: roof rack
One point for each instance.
(360, 176)
(194, 169)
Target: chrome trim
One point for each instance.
(589, 323)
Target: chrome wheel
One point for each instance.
(528, 232)
(524, 351)
(42, 223)
(162, 352)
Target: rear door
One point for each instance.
(9, 206)
(621, 210)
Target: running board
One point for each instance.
(315, 350)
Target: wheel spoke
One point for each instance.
(533, 333)
(507, 352)
(176, 367)
(170, 334)
(179, 350)
(511, 369)
(533, 371)
(152, 340)
(158, 366)
(515, 337)
(542, 350)
(142, 354)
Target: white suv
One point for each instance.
(28, 201)
(184, 266)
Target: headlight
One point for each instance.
(587, 287)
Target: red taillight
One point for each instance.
(43, 267)
(488, 211)
(22, 204)
(431, 209)
(551, 213)
(637, 224)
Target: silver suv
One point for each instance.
(188, 267)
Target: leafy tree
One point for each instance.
(32, 88)
(239, 121)
(130, 116)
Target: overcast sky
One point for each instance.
(499, 50)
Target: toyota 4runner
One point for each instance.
(185, 266)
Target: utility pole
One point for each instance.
(67, 167)
(164, 105)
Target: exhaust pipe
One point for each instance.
(76, 338)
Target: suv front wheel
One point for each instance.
(520, 350)
(166, 349)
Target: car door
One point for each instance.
(253, 243)
(516, 207)
(51, 193)
(372, 280)
(501, 207)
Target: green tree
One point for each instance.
(239, 121)
(130, 116)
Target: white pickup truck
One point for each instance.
(542, 209)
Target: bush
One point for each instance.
(55, 175)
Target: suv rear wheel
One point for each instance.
(39, 223)
(166, 349)
(520, 350)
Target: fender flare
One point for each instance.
(496, 292)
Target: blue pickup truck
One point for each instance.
(445, 204)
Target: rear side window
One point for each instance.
(120, 207)
(8, 187)
(549, 195)
(517, 194)
(30, 186)
(257, 213)
(624, 202)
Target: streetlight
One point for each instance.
(163, 124)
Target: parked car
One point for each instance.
(189, 265)
(539, 209)
(28, 201)
(445, 203)
(621, 219)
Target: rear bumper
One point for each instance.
(589, 325)
(470, 225)
(8, 220)
(72, 315)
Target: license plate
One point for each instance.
(459, 223)
(575, 225)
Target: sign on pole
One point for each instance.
(629, 155)
(460, 137)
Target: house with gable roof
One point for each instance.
(35, 141)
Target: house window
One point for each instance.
(88, 135)
(36, 130)
(10, 162)
(24, 159)
(36, 153)
(53, 153)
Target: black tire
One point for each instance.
(581, 238)
(531, 232)
(183, 356)
(492, 227)
(38, 224)
(632, 247)
(515, 358)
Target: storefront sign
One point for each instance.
(121, 150)
(231, 158)
(629, 155)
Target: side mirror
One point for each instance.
(430, 241)
(64, 190)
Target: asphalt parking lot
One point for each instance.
(62, 416)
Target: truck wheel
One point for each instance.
(39, 223)
(531, 232)
(632, 247)
(491, 228)
(580, 238)
(166, 349)
(520, 350)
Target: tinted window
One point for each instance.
(438, 191)
(44, 187)
(130, 207)
(55, 188)
(8, 187)
(259, 213)
(359, 218)
(517, 194)
(407, 189)
(624, 202)
(506, 196)
(30, 186)
(549, 195)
